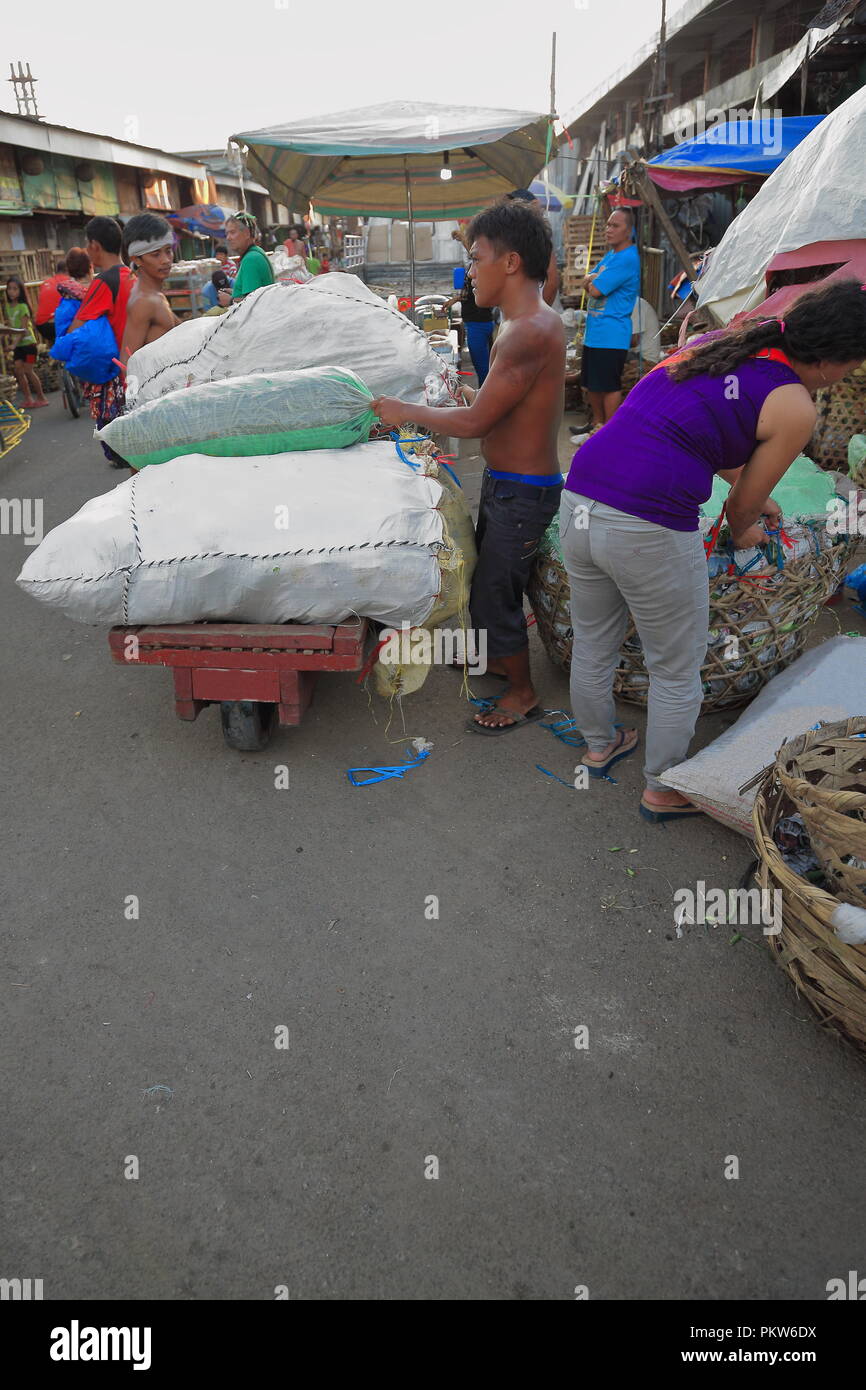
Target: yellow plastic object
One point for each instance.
(14, 424)
(456, 566)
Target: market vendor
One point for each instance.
(516, 415)
(737, 403)
(254, 270)
(612, 291)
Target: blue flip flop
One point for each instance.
(602, 769)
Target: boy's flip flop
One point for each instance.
(657, 814)
(602, 769)
(518, 722)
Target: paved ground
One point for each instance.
(409, 1038)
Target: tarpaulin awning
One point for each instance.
(730, 152)
(358, 162)
(205, 219)
(816, 195)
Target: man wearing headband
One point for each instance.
(148, 246)
(254, 269)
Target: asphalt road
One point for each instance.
(409, 1039)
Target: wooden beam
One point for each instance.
(646, 190)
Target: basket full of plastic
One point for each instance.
(763, 602)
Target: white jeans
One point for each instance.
(616, 563)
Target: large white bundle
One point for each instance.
(827, 683)
(334, 320)
(306, 537)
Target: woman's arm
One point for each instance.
(785, 426)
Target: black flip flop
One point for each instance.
(657, 815)
(519, 721)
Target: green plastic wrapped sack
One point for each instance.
(803, 492)
(277, 413)
(857, 458)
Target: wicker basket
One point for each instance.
(830, 973)
(841, 413)
(770, 617)
(823, 773)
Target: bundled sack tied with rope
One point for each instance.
(284, 327)
(275, 413)
(305, 537)
(404, 657)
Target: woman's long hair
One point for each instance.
(824, 325)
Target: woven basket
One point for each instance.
(829, 973)
(841, 413)
(770, 618)
(823, 774)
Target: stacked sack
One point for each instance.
(286, 327)
(311, 536)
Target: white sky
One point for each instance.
(187, 75)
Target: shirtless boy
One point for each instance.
(516, 415)
(148, 244)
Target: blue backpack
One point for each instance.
(91, 352)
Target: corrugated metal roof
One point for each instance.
(27, 133)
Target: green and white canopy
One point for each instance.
(358, 163)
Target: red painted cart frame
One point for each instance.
(275, 663)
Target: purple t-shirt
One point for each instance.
(657, 456)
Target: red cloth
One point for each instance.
(108, 294)
(49, 297)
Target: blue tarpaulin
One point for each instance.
(731, 151)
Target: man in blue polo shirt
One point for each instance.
(612, 289)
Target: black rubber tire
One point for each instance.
(247, 724)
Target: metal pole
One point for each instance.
(411, 235)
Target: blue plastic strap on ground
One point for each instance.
(548, 773)
(384, 774)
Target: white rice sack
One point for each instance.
(826, 683)
(306, 537)
(334, 319)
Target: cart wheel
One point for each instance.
(247, 724)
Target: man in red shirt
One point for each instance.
(49, 298)
(108, 295)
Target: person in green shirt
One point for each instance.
(242, 233)
(19, 324)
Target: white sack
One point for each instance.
(201, 538)
(334, 320)
(814, 195)
(826, 683)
